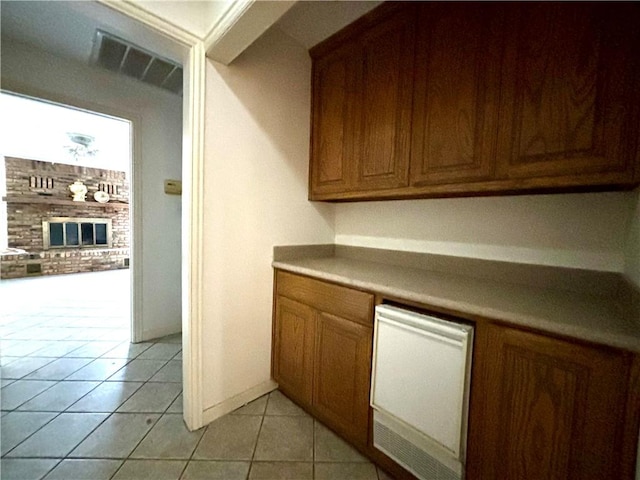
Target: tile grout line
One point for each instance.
(53, 359)
(90, 341)
(57, 382)
(61, 379)
(29, 399)
(100, 383)
(193, 452)
(32, 434)
(118, 469)
(110, 414)
(128, 457)
(123, 460)
(255, 445)
(52, 468)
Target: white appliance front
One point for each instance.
(420, 382)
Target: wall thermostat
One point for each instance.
(173, 187)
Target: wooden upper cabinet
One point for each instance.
(567, 92)
(547, 408)
(361, 113)
(383, 124)
(456, 92)
(433, 99)
(333, 122)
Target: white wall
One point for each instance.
(572, 230)
(632, 263)
(159, 134)
(256, 163)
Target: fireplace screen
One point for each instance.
(67, 232)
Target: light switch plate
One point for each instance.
(173, 187)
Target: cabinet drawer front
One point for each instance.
(345, 302)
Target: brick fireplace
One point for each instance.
(49, 233)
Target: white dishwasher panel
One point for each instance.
(420, 374)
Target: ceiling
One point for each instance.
(67, 28)
(310, 22)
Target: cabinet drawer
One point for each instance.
(342, 301)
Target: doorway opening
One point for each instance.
(65, 180)
(45, 55)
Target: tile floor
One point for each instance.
(79, 402)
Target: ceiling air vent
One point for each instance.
(119, 56)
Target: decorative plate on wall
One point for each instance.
(101, 197)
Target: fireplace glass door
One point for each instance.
(66, 232)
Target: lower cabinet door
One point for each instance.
(342, 375)
(546, 408)
(293, 348)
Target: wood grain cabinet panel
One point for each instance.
(540, 407)
(322, 341)
(294, 337)
(456, 93)
(342, 374)
(546, 408)
(385, 85)
(436, 99)
(328, 297)
(333, 122)
(567, 92)
(361, 109)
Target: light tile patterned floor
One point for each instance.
(79, 402)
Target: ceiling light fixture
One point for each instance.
(81, 146)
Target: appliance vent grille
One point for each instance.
(120, 56)
(413, 458)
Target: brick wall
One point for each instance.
(24, 222)
(46, 183)
(56, 262)
(30, 177)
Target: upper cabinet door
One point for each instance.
(429, 99)
(333, 121)
(567, 90)
(385, 85)
(457, 75)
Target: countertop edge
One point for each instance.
(625, 342)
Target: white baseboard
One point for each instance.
(212, 413)
(160, 332)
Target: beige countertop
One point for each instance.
(593, 306)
